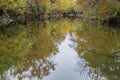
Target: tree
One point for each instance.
(108, 9)
(10, 7)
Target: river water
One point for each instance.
(62, 49)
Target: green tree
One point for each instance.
(108, 9)
(12, 7)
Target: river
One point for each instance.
(64, 49)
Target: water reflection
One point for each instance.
(100, 47)
(59, 50)
(69, 66)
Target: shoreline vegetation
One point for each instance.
(102, 11)
(4, 20)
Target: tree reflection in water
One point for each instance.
(100, 47)
(35, 50)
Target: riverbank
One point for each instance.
(4, 20)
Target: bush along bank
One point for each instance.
(103, 11)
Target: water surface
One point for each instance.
(59, 50)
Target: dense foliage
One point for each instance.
(12, 7)
(108, 9)
(103, 10)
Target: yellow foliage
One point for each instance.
(107, 9)
(17, 6)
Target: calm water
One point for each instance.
(59, 50)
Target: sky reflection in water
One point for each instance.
(60, 50)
